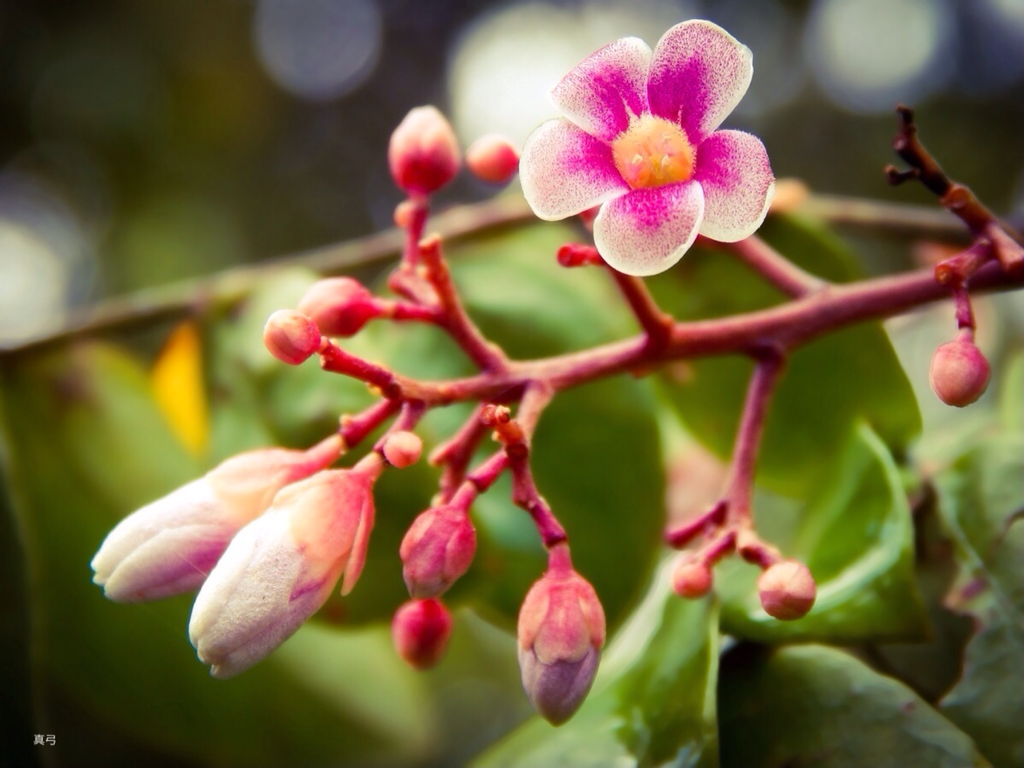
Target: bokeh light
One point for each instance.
(318, 49)
(506, 61)
(40, 246)
(870, 54)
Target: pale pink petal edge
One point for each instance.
(565, 171)
(734, 171)
(647, 231)
(699, 73)
(604, 91)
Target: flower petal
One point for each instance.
(605, 90)
(649, 230)
(698, 75)
(565, 171)
(738, 183)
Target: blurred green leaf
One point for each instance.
(982, 502)
(653, 702)
(855, 535)
(933, 665)
(86, 445)
(814, 705)
(828, 385)
(515, 289)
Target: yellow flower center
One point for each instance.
(653, 152)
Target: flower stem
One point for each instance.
(656, 323)
(774, 267)
(740, 485)
(454, 318)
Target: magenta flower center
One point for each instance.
(653, 152)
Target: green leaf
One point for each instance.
(982, 503)
(514, 288)
(813, 705)
(855, 535)
(85, 445)
(653, 701)
(930, 667)
(829, 384)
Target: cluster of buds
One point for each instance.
(424, 154)
(264, 537)
(786, 587)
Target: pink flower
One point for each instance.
(640, 141)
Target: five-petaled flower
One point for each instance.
(640, 140)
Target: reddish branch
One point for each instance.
(774, 267)
(788, 326)
(993, 261)
(954, 197)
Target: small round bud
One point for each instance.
(438, 548)
(561, 631)
(420, 632)
(340, 306)
(291, 336)
(423, 154)
(959, 373)
(691, 578)
(402, 449)
(787, 590)
(492, 158)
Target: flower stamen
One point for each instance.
(653, 152)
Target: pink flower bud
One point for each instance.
(787, 590)
(492, 158)
(340, 306)
(420, 631)
(692, 578)
(170, 545)
(561, 633)
(959, 373)
(290, 336)
(280, 568)
(402, 449)
(423, 153)
(437, 550)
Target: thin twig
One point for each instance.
(233, 285)
(774, 267)
(454, 318)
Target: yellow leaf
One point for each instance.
(177, 384)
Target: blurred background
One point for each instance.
(143, 141)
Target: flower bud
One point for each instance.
(402, 449)
(423, 153)
(492, 158)
(787, 590)
(290, 336)
(339, 306)
(437, 550)
(561, 633)
(692, 578)
(280, 568)
(959, 372)
(170, 545)
(420, 631)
